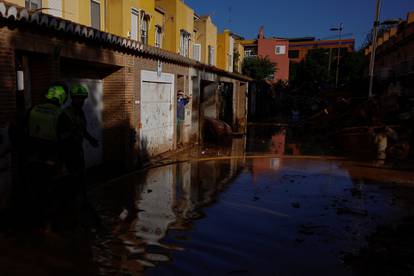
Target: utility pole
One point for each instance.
(339, 29)
(329, 64)
(339, 55)
(374, 48)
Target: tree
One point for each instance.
(259, 68)
(312, 72)
(352, 68)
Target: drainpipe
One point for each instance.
(339, 56)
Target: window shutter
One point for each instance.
(33, 4)
(197, 52)
(211, 57)
(55, 7)
(96, 14)
(134, 25)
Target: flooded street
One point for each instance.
(183, 137)
(230, 211)
(260, 216)
(276, 208)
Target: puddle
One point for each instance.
(260, 216)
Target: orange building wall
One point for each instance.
(267, 48)
(306, 46)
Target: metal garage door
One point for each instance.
(157, 112)
(93, 112)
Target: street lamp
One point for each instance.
(339, 30)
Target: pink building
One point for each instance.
(276, 49)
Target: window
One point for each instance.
(211, 55)
(95, 14)
(134, 24)
(158, 36)
(248, 53)
(33, 4)
(197, 52)
(231, 54)
(55, 7)
(280, 49)
(184, 43)
(294, 54)
(144, 30)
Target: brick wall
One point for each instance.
(43, 72)
(51, 57)
(7, 80)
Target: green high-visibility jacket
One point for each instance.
(43, 122)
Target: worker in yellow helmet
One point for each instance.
(48, 127)
(74, 153)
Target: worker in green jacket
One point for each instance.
(79, 131)
(74, 153)
(74, 159)
(48, 127)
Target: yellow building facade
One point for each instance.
(179, 27)
(169, 24)
(79, 11)
(206, 38)
(225, 49)
(230, 52)
(121, 17)
(139, 20)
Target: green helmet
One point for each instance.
(79, 90)
(57, 93)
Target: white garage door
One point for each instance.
(157, 112)
(93, 112)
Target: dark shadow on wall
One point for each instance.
(46, 56)
(226, 103)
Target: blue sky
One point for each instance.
(296, 18)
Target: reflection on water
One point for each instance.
(274, 140)
(256, 216)
(282, 140)
(141, 210)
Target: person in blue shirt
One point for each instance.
(182, 101)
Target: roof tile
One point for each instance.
(2, 9)
(24, 15)
(11, 12)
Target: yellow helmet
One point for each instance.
(78, 90)
(57, 93)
